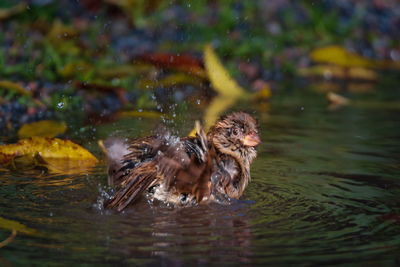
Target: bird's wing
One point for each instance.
(134, 171)
(184, 165)
(135, 182)
(136, 153)
(150, 160)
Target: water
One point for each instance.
(325, 189)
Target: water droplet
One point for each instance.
(198, 101)
(188, 5)
(302, 108)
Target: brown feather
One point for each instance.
(133, 186)
(202, 168)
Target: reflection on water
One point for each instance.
(325, 189)
(175, 236)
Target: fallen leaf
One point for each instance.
(339, 56)
(9, 239)
(229, 92)
(220, 79)
(218, 105)
(45, 148)
(16, 87)
(45, 128)
(264, 93)
(19, 89)
(14, 225)
(66, 166)
(182, 62)
(47, 171)
(171, 60)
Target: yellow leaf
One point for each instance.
(217, 106)
(220, 79)
(13, 225)
(16, 87)
(339, 56)
(229, 92)
(67, 166)
(19, 89)
(43, 128)
(264, 93)
(45, 148)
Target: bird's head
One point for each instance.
(236, 135)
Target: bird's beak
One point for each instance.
(251, 139)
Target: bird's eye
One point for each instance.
(235, 131)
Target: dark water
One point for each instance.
(325, 189)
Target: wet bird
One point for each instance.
(184, 171)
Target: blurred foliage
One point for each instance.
(94, 58)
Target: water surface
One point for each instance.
(325, 189)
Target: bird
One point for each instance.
(212, 167)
